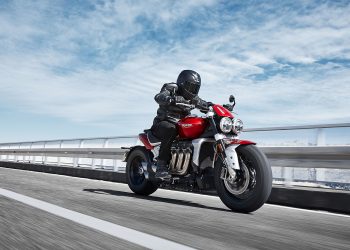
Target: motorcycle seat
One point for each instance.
(151, 138)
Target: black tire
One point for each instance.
(137, 181)
(259, 188)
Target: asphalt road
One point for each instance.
(193, 220)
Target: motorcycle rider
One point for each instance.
(170, 111)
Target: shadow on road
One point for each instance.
(153, 198)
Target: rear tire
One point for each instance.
(134, 172)
(260, 181)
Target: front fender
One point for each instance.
(231, 154)
(241, 142)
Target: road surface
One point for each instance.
(47, 211)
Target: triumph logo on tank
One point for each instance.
(186, 125)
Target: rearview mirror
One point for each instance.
(232, 100)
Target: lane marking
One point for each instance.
(307, 210)
(190, 194)
(131, 235)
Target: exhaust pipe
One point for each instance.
(179, 161)
(172, 163)
(187, 161)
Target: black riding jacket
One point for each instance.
(171, 112)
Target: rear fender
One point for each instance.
(141, 142)
(130, 149)
(144, 140)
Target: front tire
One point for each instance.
(135, 175)
(253, 184)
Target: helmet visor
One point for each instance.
(192, 87)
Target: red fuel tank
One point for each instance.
(191, 127)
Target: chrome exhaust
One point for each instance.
(179, 162)
(172, 163)
(186, 163)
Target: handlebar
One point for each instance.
(191, 106)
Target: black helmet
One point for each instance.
(189, 83)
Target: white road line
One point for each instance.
(131, 235)
(309, 211)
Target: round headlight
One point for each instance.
(237, 126)
(226, 124)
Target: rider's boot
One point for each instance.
(162, 170)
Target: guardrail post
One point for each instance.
(8, 156)
(16, 156)
(45, 157)
(76, 160)
(30, 157)
(312, 174)
(288, 176)
(93, 163)
(321, 141)
(59, 158)
(105, 145)
(115, 166)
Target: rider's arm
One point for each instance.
(164, 97)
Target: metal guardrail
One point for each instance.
(93, 153)
(336, 157)
(70, 140)
(106, 153)
(306, 157)
(318, 126)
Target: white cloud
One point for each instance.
(47, 68)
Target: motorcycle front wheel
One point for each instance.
(251, 187)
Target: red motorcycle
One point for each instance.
(207, 155)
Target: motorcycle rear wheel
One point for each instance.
(135, 174)
(245, 195)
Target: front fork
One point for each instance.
(229, 158)
(228, 153)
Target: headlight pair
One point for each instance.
(227, 124)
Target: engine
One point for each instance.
(181, 154)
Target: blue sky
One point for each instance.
(91, 68)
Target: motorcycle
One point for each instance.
(207, 155)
